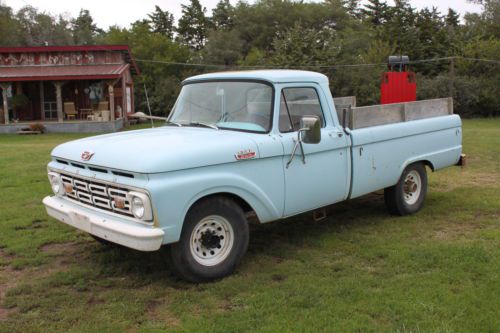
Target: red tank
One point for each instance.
(398, 84)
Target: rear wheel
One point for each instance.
(213, 241)
(408, 195)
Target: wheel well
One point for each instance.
(429, 164)
(239, 201)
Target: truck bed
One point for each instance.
(387, 138)
(376, 115)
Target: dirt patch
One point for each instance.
(157, 310)
(60, 248)
(447, 182)
(8, 279)
(454, 231)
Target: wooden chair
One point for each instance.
(103, 106)
(70, 110)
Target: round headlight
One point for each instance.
(138, 208)
(55, 183)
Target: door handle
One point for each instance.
(336, 134)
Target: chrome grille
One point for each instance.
(96, 194)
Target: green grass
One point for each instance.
(359, 270)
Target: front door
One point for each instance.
(324, 177)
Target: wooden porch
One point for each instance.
(62, 101)
(67, 126)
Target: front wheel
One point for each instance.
(408, 195)
(213, 241)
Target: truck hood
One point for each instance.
(160, 149)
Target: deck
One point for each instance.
(68, 126)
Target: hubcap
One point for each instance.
(412, 187)
(211, 240)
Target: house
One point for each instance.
(82, 88)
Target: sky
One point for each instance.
(124, 12)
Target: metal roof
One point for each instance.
(125, 49)
(61, 72)
(273, 75)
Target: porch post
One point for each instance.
(111, 90)
(60, 115)
(5, 86)
(42, 101)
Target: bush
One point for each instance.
(38, 127)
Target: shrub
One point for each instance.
(38, 127)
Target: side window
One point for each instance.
(295, 103)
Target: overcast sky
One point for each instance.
(124, 12)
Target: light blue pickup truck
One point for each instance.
(270, 142)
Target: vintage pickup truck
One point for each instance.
(271, 142)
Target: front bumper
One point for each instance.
(113, 229)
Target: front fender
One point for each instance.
(173, 193)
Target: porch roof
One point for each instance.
(61, 72)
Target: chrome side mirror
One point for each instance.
(310, 129)
(309, 132)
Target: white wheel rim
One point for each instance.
(211, 240)
(412, 187)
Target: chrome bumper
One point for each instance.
(113, 229)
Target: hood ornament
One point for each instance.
(87, 155)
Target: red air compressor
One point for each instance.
(398, 84)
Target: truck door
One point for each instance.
(324, 177)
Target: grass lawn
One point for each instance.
(359, 270)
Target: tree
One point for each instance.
(39, 28)
(300, 46)
(193, 25)
(375, 12)
(84, 29)
(222, 15)
(162, 22)
(352, 7)
(452, 18)
(223, 47)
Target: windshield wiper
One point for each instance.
(202, 125)
(168, 123)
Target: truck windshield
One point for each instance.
(233, 105)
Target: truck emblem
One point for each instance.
(86, 155)
(245, 154)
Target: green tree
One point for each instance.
(300, 46)
(222, 15)
(452, 18)
(375, 12)
(162, 22)
(38, 28)
(193, 25)
(223, 47)
(84, 28)
(10, 29)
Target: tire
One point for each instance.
(213, 240)
(408, 195)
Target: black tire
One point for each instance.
(398, 197)
(185, 257)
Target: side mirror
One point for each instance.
(310, 129)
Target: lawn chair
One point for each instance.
(70, 110)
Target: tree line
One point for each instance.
(322, 36)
